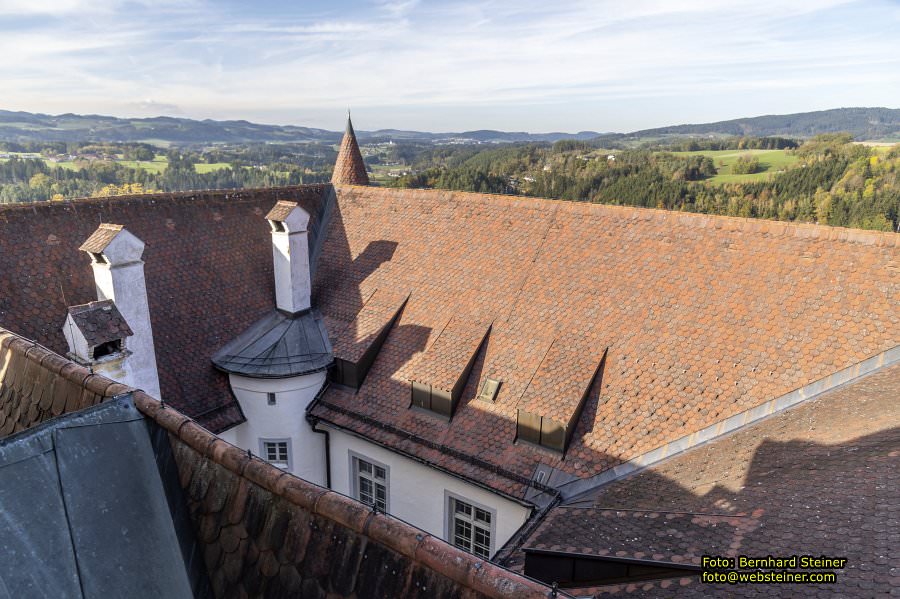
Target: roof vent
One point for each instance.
(439, 376)
(489, 390)
(550, 407)
(358, 344)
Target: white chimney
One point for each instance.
(119, 276)
(290, 251)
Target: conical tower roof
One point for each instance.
(349, 169)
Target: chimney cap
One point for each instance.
(101, 238)
(115, 244)
(290, 214)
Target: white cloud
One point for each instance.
(405, 57)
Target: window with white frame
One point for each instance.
(370, 482)
(470, 527)
(277, 452)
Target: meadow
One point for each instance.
(771, 161)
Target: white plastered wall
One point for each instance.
(418, 493)
(285, 420)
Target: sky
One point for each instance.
(518, 65)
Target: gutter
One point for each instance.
(315, 420)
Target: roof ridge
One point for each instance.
(192, 194)
(738, 223)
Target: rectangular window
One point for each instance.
(471, 527)
(277, 452)
(271, 398)
(370, 482)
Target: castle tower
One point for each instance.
(349, 169)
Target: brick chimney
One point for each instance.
(349, 169)
(290, 251)
(119, 276)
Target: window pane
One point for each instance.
(381, 497)
(365, 490)
(482, 515)
(463, 508)
(379, 472)
(365, 466)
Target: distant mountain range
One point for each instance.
(862, 123)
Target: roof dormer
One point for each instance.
(438, 377)
(549, 409)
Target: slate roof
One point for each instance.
(85, 513)
(703, 316)
(818, 479)
(208, 268)
(100, 322)
(349, 168)
(278, 345)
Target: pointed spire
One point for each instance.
(349, 169)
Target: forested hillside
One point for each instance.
(861, 123)
(831, 181)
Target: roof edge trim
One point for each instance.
(572, 490)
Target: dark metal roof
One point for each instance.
(85, 512)
(278, 345)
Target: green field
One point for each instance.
(156, 166)
(772, 161)
(202, 168)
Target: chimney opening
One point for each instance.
(277, 226)
(98, 257)
(107, 349)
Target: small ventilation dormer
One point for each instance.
(551, 405)
(357, 345)
(438, 377)
(96, 332)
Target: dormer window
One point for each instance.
(440, 374)
(551, 405)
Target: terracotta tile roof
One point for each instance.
(37, 385)
(704, 316)
(204, 250)
(100, 322)
(259, 530)
(349, 168)
(100, 238)
(818, 479)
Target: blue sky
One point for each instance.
(447, 66)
